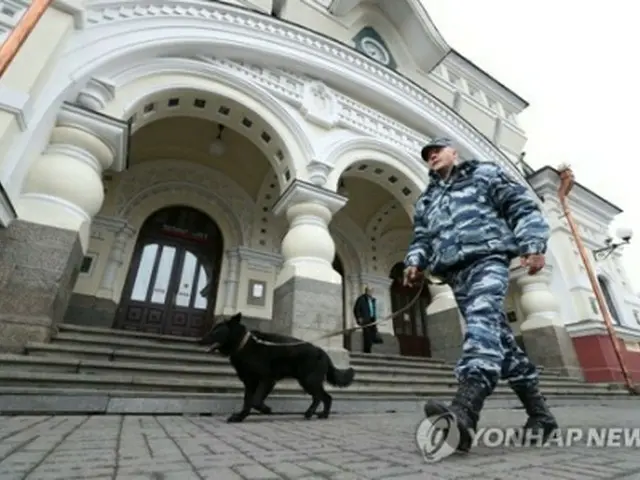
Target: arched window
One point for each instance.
(608, 297)
(173, 277)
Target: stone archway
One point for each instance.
(382, 186)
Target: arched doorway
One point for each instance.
(410, 327)
(346, 337)
(173, 278)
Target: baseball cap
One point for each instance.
(439, 142)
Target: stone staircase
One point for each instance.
(92, 370)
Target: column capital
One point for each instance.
(259, 260)
(300, 192)
(522, 277)
(112, 132)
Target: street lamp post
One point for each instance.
(624, 234)
(567, 180)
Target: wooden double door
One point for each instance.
(173, 278)
(410, 327)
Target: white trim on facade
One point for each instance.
(595, 327)
(14, 102)
(113, 132)
(118, 33)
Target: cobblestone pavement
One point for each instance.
(348, 447)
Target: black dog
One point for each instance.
(260, 366)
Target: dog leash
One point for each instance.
(423, 282)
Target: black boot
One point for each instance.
(541, 422)
(465, 407)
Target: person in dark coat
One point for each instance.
(365, 312)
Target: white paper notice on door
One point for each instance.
(258, 290)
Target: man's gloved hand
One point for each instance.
(412, 276)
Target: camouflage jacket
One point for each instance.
(478, 211)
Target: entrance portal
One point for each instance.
(173, 278)
(409, 327)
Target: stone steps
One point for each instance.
(120, 345)
(63, 400)
(94, 370)
(213, 377)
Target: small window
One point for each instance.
(87, 264)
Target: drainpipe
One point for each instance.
(566, 184)
(21, 32)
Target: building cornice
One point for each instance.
(593, 327)
(467, 69)
(117, 31)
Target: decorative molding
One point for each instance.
(594, 327)
(14, 102)
(271, 39)
(286, 159)
(303, 192)
(481, 80)
(356, 116)
(160, 175)
(97, 94)
(260, 260)
(320, 105)
(72, 8)
(12, 13)
(318, 172)
(111, 224)
(113, 132)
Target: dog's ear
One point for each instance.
(236, 318)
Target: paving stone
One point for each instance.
(345, 447)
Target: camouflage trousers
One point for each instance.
(489, 349)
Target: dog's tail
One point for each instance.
(340, 377)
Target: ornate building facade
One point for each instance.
(166, 164)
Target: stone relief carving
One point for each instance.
(136, 184)
(319, 105)
(291, 87)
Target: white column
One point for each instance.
(123, 233)
(380, 286)
(308, 248)
(63, 187)
(538, 303)
(232, 281)
(441, 299)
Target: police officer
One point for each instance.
(469, 223)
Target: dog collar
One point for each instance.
(244, 341)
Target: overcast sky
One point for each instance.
(577, 64)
